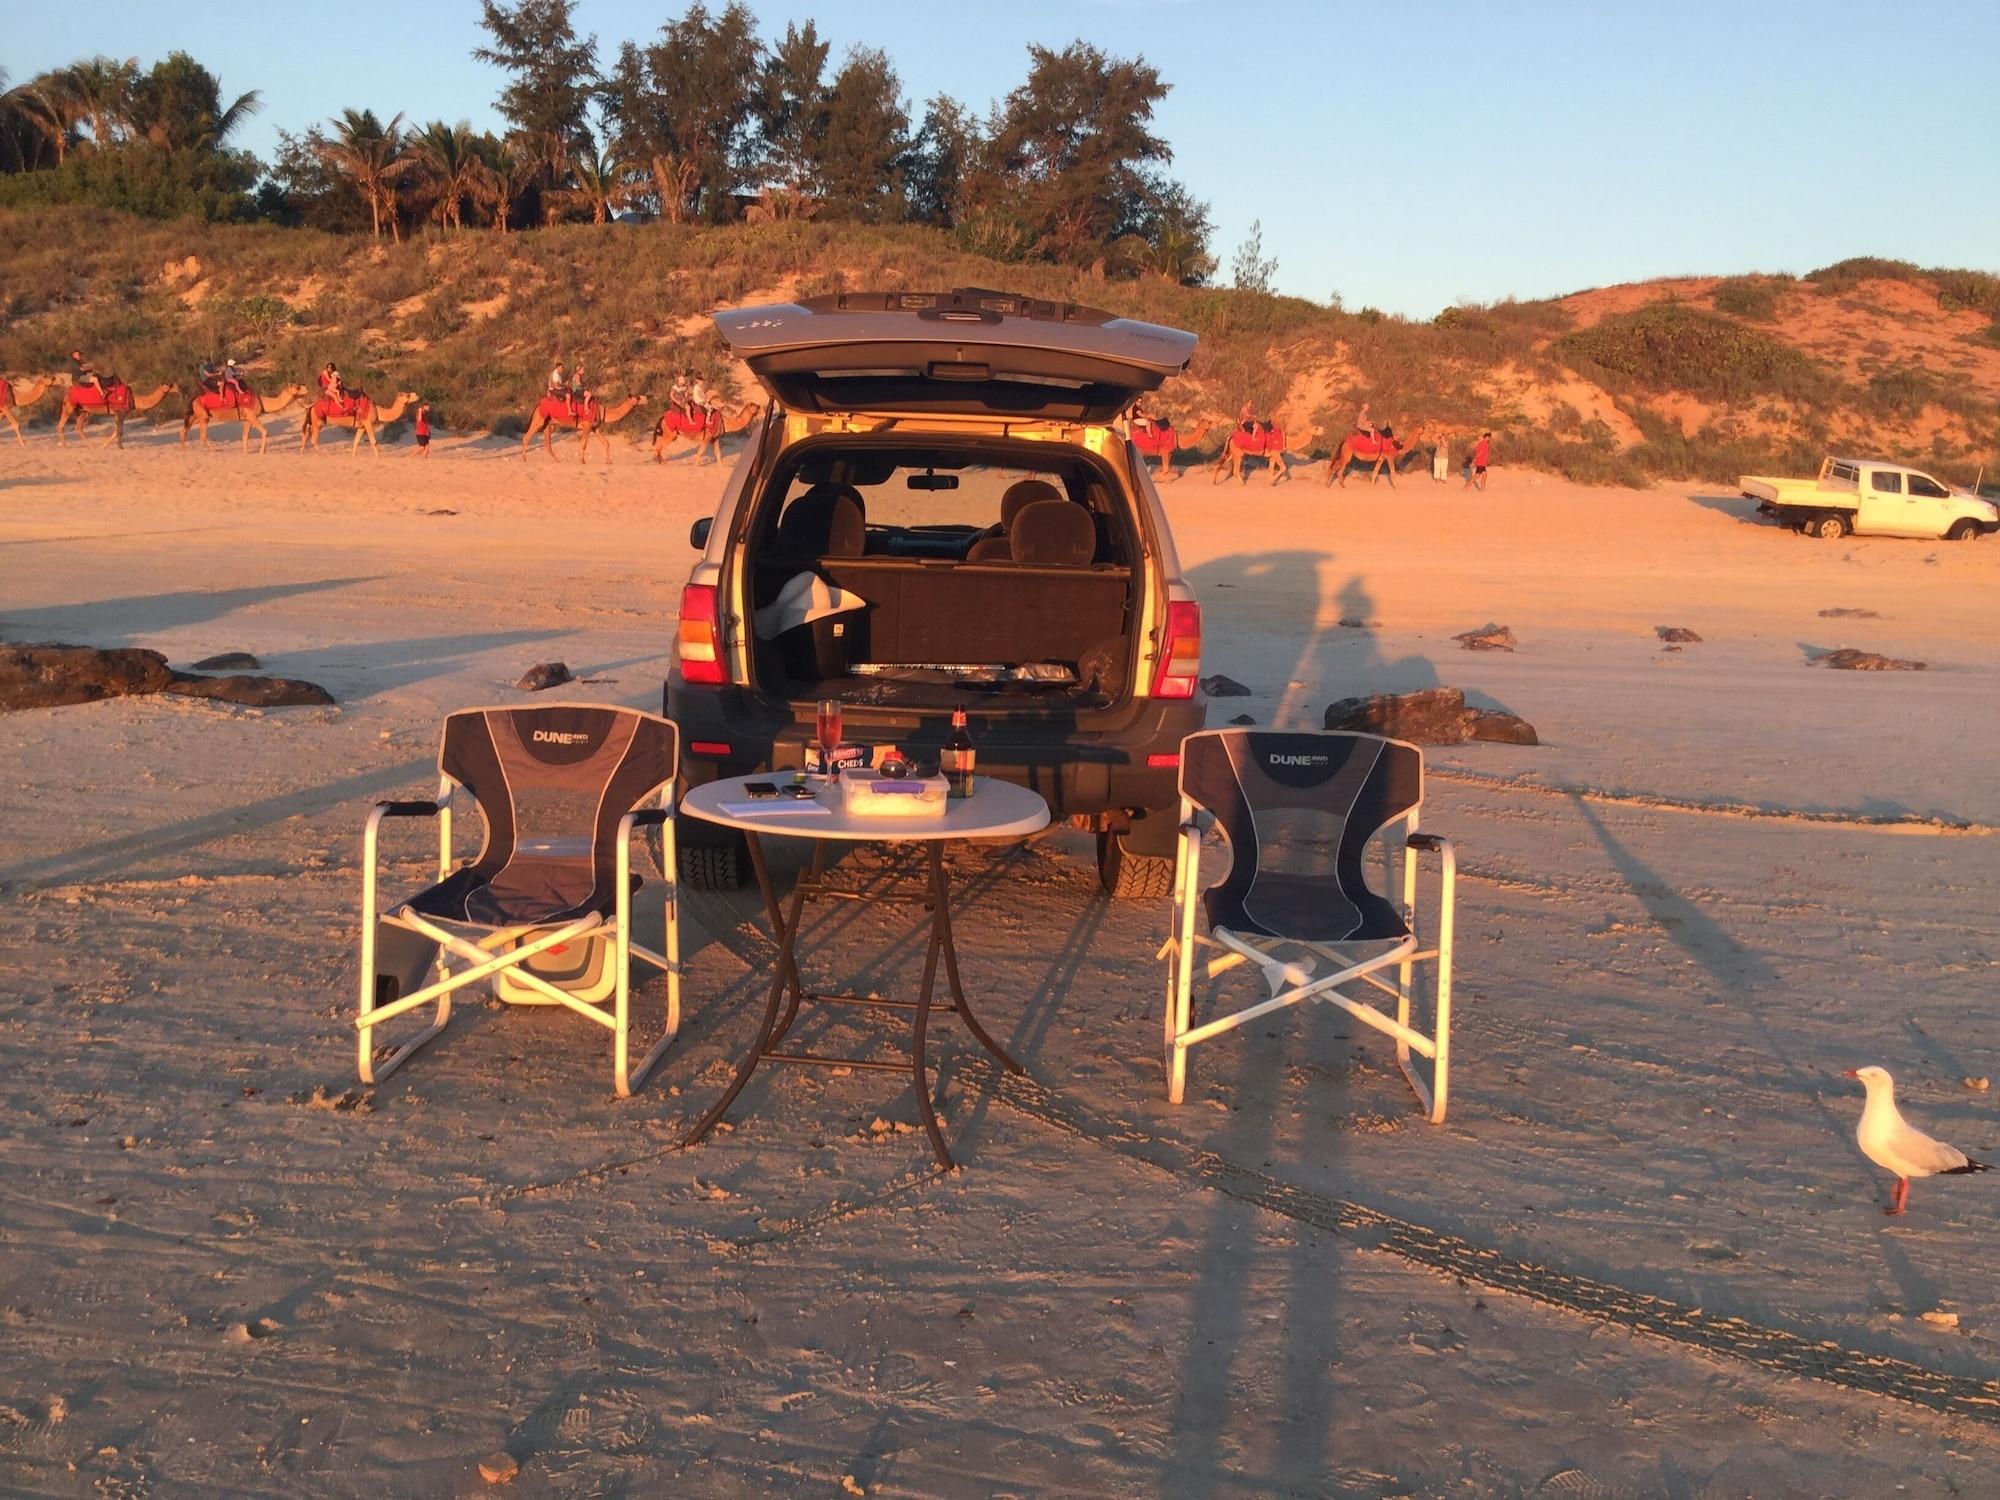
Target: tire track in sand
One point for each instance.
(1709, 1333)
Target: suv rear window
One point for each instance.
(945, 503)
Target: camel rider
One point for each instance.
(1362, 424)
(232, 381)
(86, 372)
(1139, 420)
(677, 397)
(579, 390)
(332, 387)
(211, 377)
(558, 384)
(702, 400)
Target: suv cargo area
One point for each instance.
(968, 572)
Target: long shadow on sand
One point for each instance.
(130, 620)
(119, 855)
(1272, 602)
(367, 669)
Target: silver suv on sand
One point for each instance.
(939, 510)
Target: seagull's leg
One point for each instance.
(1901, 1197)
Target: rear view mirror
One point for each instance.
(932, 481)
(698, 533)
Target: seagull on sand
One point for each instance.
(1892, 1143)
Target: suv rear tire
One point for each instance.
(1126, 876)
(708, 867)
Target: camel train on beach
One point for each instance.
(111, 397)
(698, 432)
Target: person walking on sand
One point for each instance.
(1441, 458)
(423, 449)
(1481, 452)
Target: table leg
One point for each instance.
(785, 930)
(940, 937)
(942, 895)
(803, 888)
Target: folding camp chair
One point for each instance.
(545, 909)
(1346, 788)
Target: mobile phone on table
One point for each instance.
(761, 788)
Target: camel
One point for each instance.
(1163, 438)
(1253, 439)
(552, 412)
(116, 400)
(1385, 450)
(360, 413)
(251, 415)
(15, 399)
(674, 424)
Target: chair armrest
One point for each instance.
(1428, 842)
(409, 809)
(649, 817)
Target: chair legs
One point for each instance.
(480, 961)
(1185, 950)
(366, 1064)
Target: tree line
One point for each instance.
(702, 123)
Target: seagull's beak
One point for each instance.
(1849, 1073)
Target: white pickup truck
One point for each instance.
(1868, 497)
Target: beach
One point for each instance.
(1726, 875)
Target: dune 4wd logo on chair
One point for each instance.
(1298, 760)
(560, 737)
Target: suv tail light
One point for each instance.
(1180, 652)
(701, 633)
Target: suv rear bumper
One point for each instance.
(1087, 766)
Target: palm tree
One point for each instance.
(449, 158)
(101, 91)
(177, 105)
(507, 169)
(47, 106)
(606, 180)
(373, 157)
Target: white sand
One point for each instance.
(493, 1252)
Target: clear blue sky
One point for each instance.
(1406, 157)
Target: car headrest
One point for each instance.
(991, 549)
(1021, 494)
(828, 520)
(1053, 533)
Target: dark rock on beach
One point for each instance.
(50, 675)
(1219, 686)
(1242, 719)
(1434, 716)
(1499, 727)
(1845, 613)
(1677, 633)
(544, 675)
(229, 661)
(252, 692)
(1488, 638)
(1847, 659)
